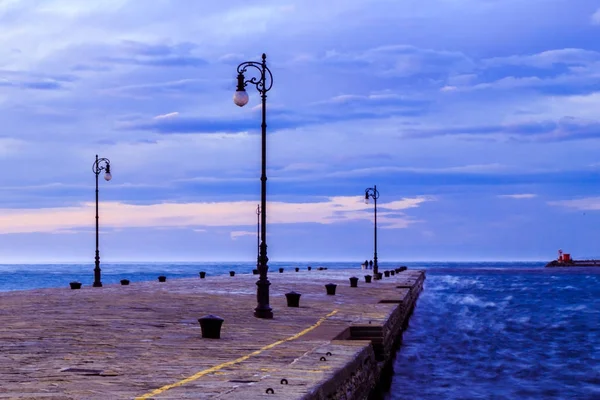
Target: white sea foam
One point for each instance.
(578, 307)
(520, 320)
(471, 300)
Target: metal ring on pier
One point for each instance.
(323, 359)
(328, 353)
(284, 381)
(270, 391)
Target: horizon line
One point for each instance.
(247, 261)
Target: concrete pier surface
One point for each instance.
(143, 341)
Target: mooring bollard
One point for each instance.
(386, 273)
(354, 282)
(211, 326)
(280, 270)
(297, 269)
(202, 274)
(402, 268)
(368, 278)
(162, 278)
(379, 276)
(330, 287)
(124, 282)
(392, 272)
(231, 273)
(309, 268)
(255, 271)
(75, 285)
(293, 299)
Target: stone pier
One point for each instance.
(143, 341)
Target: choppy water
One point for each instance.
(502, 331)
(480, 330)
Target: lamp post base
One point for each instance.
(97, 284)
(263, 310)
(265, 313)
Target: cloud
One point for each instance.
(582, 204)
(402, 60)
(557, 71)
(448, 89)
(372, 107)
(236, 234)
(518, 196)
(12, 79)
(596, 17)
(154, 55)
(563, 129)
(165, 116)
(547, 59)
(118, 215)
(170, 88)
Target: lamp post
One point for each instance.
(263, 84)
(373, 194)
(101, 164)
(257, 236)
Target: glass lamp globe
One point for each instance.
(366, 199)
(107, 176)
(240, 98)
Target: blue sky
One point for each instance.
(476, 119)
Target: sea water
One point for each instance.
(479, 331)
(502, 331)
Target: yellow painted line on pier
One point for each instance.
(200, 374)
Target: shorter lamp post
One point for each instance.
(101, 164)
(373, 194)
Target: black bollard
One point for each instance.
(403, 268)
(386, 273)
(297, 269)
(354, 282)
(124, 282)
(211, 326)
(202, 274)
(231, 273)
(309, 268)
(280, 270)
(255, 271)
(293, 299)
(379, 275)
(330, 287)
(368, 278)
(75, 285)
(162, 278)
(392, 272)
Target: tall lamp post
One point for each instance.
(101, 164)
(263, 84)
(373, 194)
(257, 236)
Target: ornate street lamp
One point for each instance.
(374, 194)
(101, 164)
(263, 84)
